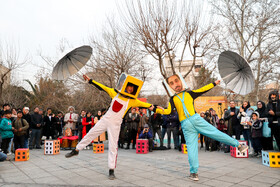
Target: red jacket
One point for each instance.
(86, 126)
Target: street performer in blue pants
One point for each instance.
(191, 122)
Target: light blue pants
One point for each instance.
(194, 125)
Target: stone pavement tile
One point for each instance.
(49, 180)
(163, 179)
(37, 174)
(108, 182)
(271, 174)
(127, 178)
(223, 170)
(269, 180)
(238, 185)
(278, 183)
(230, 179)
(254, 183)
(180, 182)
(17, 179)
(78, 180)
(145, 182)
(8, 175)
(209, 175)
(242, 174)
(214, 182)
(162, 185)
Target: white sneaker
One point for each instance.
(9, 153)
(194, 177)
(243, 148)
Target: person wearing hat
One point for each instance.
(147, 134)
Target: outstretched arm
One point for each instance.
(160, 110)
(204, 89)
(110, 91)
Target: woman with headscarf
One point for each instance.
(246, 111)
(266, 142)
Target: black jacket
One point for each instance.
(276, 109)
(36, 118)
(49, 126)
(156, 120)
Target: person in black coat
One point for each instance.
(49, 125)
(156, 122)
(234, 127)
(273, 108)
(262, 110)
(35, 126)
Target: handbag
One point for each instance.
(266, 130)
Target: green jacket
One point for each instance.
(6, 128)
(17, 124)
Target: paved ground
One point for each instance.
(159, 168)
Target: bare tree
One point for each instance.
(168, 28)
(9, 61)
(115, 53)
(251, 28)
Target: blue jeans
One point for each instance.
(247, 135)
(3, 156)
(35, 134)
(194, 125)
(10, 145)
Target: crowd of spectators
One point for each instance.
(21, 129)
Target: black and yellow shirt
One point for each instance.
(112, 93)
(190, 96)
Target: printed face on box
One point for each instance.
(175, 84)
(129, 86)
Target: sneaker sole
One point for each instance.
(194, 179)
(70, 156)
(244, 150)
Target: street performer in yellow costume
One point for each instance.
(123, 98)
(191, 122)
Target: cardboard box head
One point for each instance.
(126, 81)
(169, 90)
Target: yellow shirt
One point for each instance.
(112, 93)
(190, 96)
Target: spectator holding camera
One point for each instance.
(147, 134)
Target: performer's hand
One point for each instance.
(159, 107)
(86, 77)
(217, 82)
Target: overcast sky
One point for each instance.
(40, 25)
